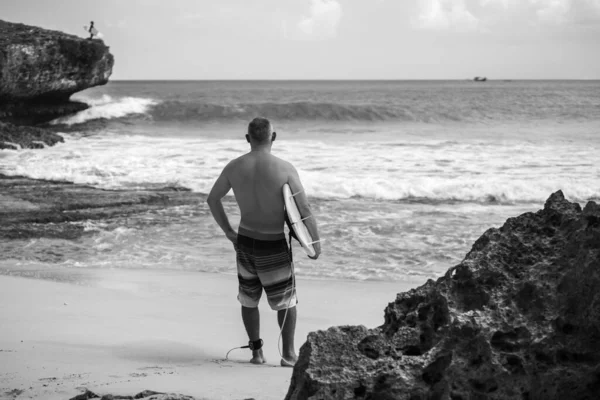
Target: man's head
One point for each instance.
(260, 131)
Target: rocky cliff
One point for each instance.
(518, 318)
(39, 70)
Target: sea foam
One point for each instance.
(427, 171)
(107, 107)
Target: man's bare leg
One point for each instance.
(287, 336)
(251, 318)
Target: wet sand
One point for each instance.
(124, 331)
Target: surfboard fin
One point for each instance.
(317, 241)
(294, 194)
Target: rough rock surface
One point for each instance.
(518, 318)
(145, 395)
(28, 137)
(31, 208)
(40, 69)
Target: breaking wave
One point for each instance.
(333, 171)
(106, 107)
(204, 110)
(292, 111)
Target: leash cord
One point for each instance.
(235, 348)
(291, 297)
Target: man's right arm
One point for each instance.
(304, 208)
(218, 191)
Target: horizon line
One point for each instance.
(350, 80)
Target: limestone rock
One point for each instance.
(40, 69)
(145, 395)
(27, 137)
(38, 111)
(518, 318)
(31, 208)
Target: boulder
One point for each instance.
(144, 395)
(518, 318)
(40, 69)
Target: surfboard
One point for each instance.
(296, 219)
(93, 32)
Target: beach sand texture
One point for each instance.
(124, 331)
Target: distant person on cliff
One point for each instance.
(92, 30)
(262, 254)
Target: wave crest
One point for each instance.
(292, 111)
(108, 108)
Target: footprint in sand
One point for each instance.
(51, 379)
(223, 362)
(153, 367)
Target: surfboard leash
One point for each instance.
(252, 345)
(291, 297)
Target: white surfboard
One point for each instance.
(296, 219)
(94, 31)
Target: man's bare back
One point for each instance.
(257, 179)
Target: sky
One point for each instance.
(333, 39)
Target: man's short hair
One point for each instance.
(260, 129)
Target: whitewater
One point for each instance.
(404, 176)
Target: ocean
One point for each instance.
(403, 176)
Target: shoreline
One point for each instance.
(166, 331)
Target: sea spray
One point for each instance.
(425, 171)
(107, 107)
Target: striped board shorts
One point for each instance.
(265, 264)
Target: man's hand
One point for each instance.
(317, 247)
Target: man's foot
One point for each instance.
(258, 357)
(289, 361)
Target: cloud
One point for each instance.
(567, 11)
(446, 14)
(554, 11)
(481, 15)
(322, 21)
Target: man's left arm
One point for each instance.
(218, 191)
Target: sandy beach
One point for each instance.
(124, 331)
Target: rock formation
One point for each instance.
(518, 318)
(40, 69)
(31, 208)
(145, 395)
(29, 137)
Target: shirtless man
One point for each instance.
(263, 260)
